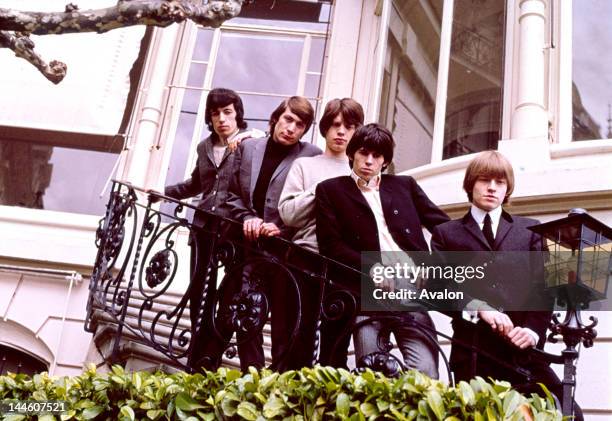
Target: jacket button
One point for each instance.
(395, 212)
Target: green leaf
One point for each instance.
(434, 400)
(92, 412)
(15, 417)
(127, 412)
(232, 375)
(248, 411)
(368, 409)
(273, 407)
(466, 393)
(184, 402)
(511, 402)
(155, 413)
(343, 404)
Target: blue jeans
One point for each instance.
(418, 349)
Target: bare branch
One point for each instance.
(23, 47)
(15, 25)
(125, 13)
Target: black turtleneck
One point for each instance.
(274, 154)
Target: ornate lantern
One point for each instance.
(578, 270)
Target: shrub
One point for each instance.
(318, 393)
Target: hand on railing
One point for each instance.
(154, 195)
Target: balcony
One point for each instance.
(148, 307)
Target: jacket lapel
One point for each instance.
(208, 145)
(386, 195)
(258, 154)
(352, 191)
(505, 224)
(474, 230)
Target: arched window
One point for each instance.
(15, 361)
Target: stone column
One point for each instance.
(529, 115)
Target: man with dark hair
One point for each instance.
(340, 119)
(224, 116)
(367, 211)
(260, 170)
(487, 227)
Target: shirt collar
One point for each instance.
(479, 214)
(364, 185)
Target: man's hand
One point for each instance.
(388, 284)
(251, 228)
(154, 195)
(233, 142)
(499, 322)
(520, 337)
(269, 229)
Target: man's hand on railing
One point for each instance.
(251, 228)
(269, 229)
(154, 195)
(499, 322)
(521, 337)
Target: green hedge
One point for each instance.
(319, 393)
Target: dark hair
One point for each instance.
(299, 106)
(488, 164)
(219, 98)
(351, 111)
(372, 137)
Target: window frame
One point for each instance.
(444, 70)
(184, 60)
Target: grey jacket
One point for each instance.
(207, 178)
(247, 164)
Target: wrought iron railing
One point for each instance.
(155, 293)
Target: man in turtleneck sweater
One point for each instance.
(259, 173)
(297, 209)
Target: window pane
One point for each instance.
(196, 75)
(475, 80)
(260, 63)
(201, 51)
(315, 62)
(43, 176)
(592, 61)
(180, 150)
(191, 100)
(312, 86)
(410, 80)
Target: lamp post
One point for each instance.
(578, 270)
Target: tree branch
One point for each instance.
(23, 47)
(15, 25)
(125, 13)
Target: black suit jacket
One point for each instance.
(346, 226)
(504, 289)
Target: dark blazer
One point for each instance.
(346, 225)
(247, 164)
(207, 178)
(502, 289)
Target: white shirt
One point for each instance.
(479, 216)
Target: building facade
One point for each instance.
(450, 78)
